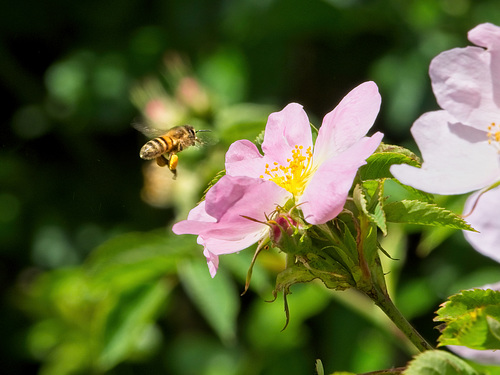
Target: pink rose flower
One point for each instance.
(460, 144)
(317, 179)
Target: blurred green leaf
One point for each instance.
(104, 311)
(266, 319)
(438, 362)
(225, 74)
(135, 258)
(129, 320)
(217, 299)
(242, 121)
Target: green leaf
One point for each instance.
(438, 362)
(423, 213)
(415, 193)
(136, 247)
(217, 298)
(135, 258)
(293, 275)
(319, 367)
(378, 164)
(369, 199)
(472, 319)
(315, 266)
(129, 321)
(466, 301)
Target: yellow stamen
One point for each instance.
(494, 134)
(295, 176)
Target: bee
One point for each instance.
(165, 147)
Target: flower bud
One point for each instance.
(289, 234)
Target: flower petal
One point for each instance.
(285, 130)
(457, 158)
(485, 357)
(463, 85)
(244, 159)
(198, 220)
(484, 219)
(221, 221)
(348, 122)
(485, 35)
(325, 196)
(233, 196)
(212, 261)
(488, 35)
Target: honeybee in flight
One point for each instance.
(165, 147)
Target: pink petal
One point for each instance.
(484, 219)
(488, 35)
(463, 85)
(457, 158)
(232, 197)
(212, 262)
(327, 192)
(485, 357)
(485, 35)
(219, 219)
(285, 130)
(244, 159)
(348, 122)
(221, 246)
(198, 220)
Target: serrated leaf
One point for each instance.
(472, 319)
(467, 301)
(332, 273)
(438, 362)
(217, 298)
(370, 200)
(415, 193)
(384, 147)
(378, 164)
(423, 213)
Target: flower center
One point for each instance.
(494, 135)
(295, 176)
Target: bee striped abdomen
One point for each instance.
(156, 147)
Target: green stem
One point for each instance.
(383, 301)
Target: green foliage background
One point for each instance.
(92, 279)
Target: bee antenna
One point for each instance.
(203, 130)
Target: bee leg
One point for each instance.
(162, 160)
(172, 164)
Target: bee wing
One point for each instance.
(148, 131)
(206, 138)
